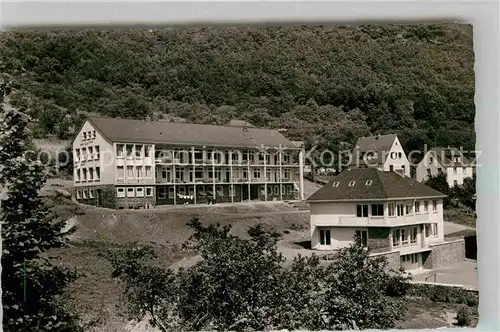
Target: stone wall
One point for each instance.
(378, 239)
(135, 202)
(447, 253)
(107, 196)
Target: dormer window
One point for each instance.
(368, 183)
(335, 184)
(431, 159)
(352, 183)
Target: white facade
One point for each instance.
(417, 222)
(142, 170)
(431, 166)
(93, 158)
(396, 159)
(393, 160)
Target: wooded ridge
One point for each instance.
(325, 85)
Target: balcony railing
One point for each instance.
(360, 221)
(383, 221)
(409, 218)
(163, 161)
(225, 180)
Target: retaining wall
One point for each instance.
(447, 253)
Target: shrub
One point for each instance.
(472, 301)
(438, 293)
(242, 284)
(463, 316)
(397, 285)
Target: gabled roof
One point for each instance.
(371, 184)
(381, 144)
(138, 131)
(445, 157)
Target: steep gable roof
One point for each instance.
(381, 144)
(445, 155)
(371, 184)
(138, 131)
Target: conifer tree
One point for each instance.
(32, 285)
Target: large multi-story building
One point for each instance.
(121, 163)
(386, 212)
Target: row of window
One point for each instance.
(85, 194)
(133, 150)
(88, 135)
(134, 172)
(218, 157)
(134, 192)
(404, 236)
(87, 153)
(373, 155)
(400, 236)
(397, 155)
(408, 235)
(395, 209)
(163, 192)
(455, 170)
(198, 175)
(361, 237)
(377, 210)
(412, 258)
(88, 174)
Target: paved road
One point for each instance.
(463, 273)
(450, 227)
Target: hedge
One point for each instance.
(445, 294)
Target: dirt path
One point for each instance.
(262, 214)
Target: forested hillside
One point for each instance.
(325, 85)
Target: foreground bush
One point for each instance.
(463, 316)
(444, 294)
(243, 285)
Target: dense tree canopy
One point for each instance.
(326, 85)
(242, 285)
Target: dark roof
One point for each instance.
(126, 130)
(384, 185)
(445, 156)
(380, 143)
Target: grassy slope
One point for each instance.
(99, 297)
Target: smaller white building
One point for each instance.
(445, 160)
(383, 152)
(386, 212)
